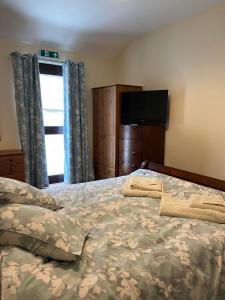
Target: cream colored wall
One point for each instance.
(188, 58)
(99, 71)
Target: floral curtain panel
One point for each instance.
(77, 165)
(30, 118)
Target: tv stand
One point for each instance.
(138, 143)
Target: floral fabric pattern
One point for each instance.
(41, 231)
(131, 252)
(77, 165)
(30, 118)
(13, 191)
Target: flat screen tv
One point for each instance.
(144, 107)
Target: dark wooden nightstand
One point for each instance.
(12, 164)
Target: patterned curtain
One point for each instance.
(30, 118)
(77, 166)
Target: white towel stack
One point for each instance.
(207, 208)
(141, 186)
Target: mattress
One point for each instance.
(131, 252)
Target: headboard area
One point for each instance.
(189, 176)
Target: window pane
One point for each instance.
(53, 118)
(54, 144)
(52, 99)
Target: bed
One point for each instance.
(131, 252)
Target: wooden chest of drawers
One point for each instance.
(130, 149)
(139, 143)
(12, 164)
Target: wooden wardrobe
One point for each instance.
(106, 128)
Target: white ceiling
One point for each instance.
(93, 25)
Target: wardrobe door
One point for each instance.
(104, 133)
(98, 126)
(109, 126)
(106, 129)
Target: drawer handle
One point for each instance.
(133, 152)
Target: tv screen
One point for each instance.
(144, 107)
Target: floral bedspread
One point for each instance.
(131, 252)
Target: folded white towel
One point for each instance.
(182, 208)
(214, 202)
(140, 186)
(145, 183)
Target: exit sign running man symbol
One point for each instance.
(50, 54)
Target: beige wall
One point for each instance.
(188, 58)
(99, 71)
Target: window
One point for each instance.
(51, 81)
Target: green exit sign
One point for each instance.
(51, 54)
